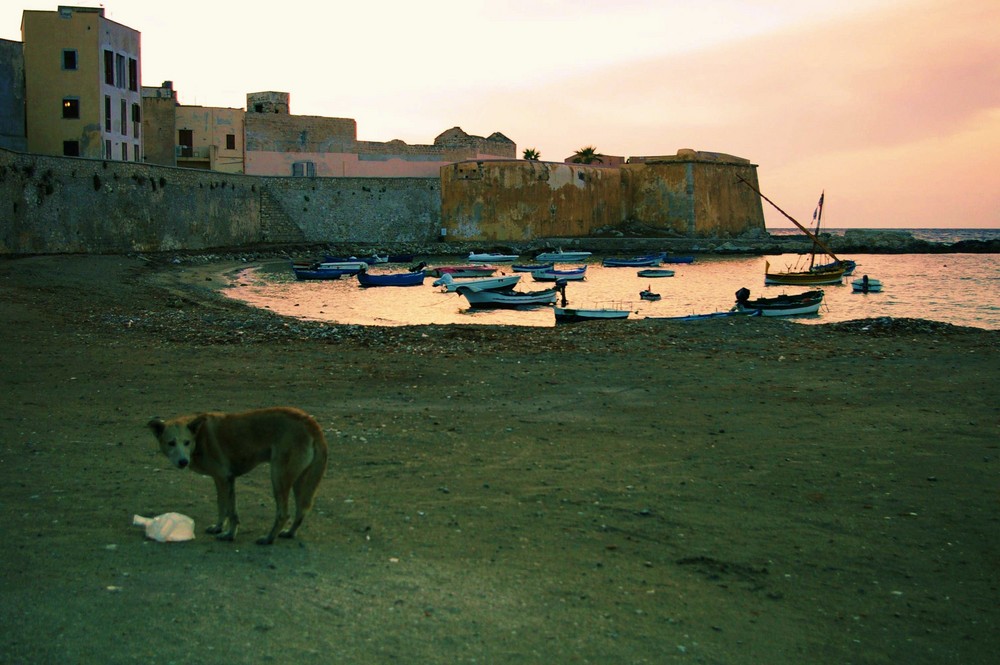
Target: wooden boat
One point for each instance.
(491, 258)
(303, 274)
(866, 285)
(531, 267)
(634, 262)
(577, 315)
(849, 266)
(799, 304)
(559, 256)
(705, 317)
(353, 264)
(554, 275)
(507, 298)
(667, 258)
(831, 273)
(391, 278)
(655, 272)
(462, 271)
(370, 260)
(451, 284)
(647, 294)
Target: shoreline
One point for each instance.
(743, 489)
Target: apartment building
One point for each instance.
(82, 84)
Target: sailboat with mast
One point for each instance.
(818, 218)
(830, 273)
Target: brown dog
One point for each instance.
(227, 445)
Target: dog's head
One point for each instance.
(177, 438)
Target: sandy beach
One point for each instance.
(731, 491)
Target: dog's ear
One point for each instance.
(157, 425)
(195, 423)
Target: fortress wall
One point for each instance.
(520, 200)
(69, 205)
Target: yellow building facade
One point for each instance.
(82, 84)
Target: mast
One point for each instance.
(819, 218)
(794, 221)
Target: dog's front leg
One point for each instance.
(225, 493)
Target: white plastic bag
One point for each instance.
(166, 528)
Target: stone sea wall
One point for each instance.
(72, 205)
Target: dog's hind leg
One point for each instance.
(282, 478)
(305, 488)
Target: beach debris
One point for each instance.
(166, 528)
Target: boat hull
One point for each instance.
(391, 279)
(553, 275)
(637, 262)
(869, 286)
(805, 277)
(508, 299)
(451, 285)
(492, 258)
(801, 304)
(562, 257)
(654, 272)
(461, 271)
(571, 315)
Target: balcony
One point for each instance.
(200, 153)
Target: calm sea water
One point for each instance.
(962, 289)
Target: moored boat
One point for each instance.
(304, 274)
(462, 271)
(667, 258)
(368, 279)
(633, 262)
(803, 277)
(531, 267)
(705, 317)
(655, 272)
(559, 256)
(579, 315)
(554, 274)
(452, 285)
(866, 285)
(799, 304)
(507, 298)
(487, 257)
(647, 294)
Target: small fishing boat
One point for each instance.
(866, 285)
(487, 257)
(462, 271)
(647, 294)
(655, 272)
(705, 317)
(634, 262)
(798, 304)
(553, 274)
(577, 315)
(531, 267)
(304, 274)
(368, 279)
(451, 285)
(370, 260)
(559, 256)
(667, 258)
(349, 264)
(507, 298)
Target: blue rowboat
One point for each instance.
(391, 278)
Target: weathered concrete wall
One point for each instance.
(62, 205)
(693, 198)
(520, 200)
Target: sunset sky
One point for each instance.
(890, 106)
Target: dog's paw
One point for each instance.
(266, 540)
(287, 533)
(229, 536)
(215, 528)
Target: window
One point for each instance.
(69, 59)
(124, 117)
(124, 152)
(71, 148)
(185, 139)
(230, 141)
(133, 75)
(304, 169)
(135, 153)
(120, 70)
(71, 107)
(107, 113)
(107, 149)
(109, 68)
(136, 120)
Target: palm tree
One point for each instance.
(587, 155)
(531, 154)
